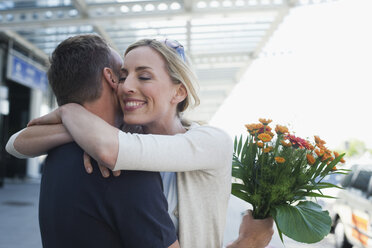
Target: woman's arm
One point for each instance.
(200, 148)
(37, 140)
(94, 135)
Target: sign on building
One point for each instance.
(26, 71)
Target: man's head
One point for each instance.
(77, 66)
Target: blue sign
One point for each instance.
(25, 73)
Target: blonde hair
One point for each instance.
(179, 71)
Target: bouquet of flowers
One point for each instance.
(278, 175)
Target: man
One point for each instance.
(86, 210)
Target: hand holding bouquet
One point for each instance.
(277, 175)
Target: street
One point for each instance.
(19, 219)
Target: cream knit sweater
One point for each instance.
(202, 159)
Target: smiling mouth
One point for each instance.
(133, 105)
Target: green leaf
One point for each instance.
(277, 227)
(238, 172)
(331, 165)
(239, 148)
(324, 185)
(235, 143)
(238, 187)
(242, 195)
(320, 168)
(244, 154)
(306, 222)
(313, 194)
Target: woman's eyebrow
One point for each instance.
(140, 68)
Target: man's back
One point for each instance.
(86, 210)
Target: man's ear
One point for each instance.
(110, 78)
(181, 94)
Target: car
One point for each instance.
(351, 212)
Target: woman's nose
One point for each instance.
(129, 86)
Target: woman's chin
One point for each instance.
(132, 121)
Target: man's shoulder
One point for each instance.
(65, 161)
(69, 147)
(67, 153)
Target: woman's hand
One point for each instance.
(104, 171)
(53, 117)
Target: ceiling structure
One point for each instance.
(221, 37)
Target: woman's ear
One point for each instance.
(181, 94)
(110, 78)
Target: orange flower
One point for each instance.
(260, 144)
(279, 160)
(334, 168)
(253, 128)
(286, 144)
(337, 155)
(318, 140)
(265, 121)
(257, 126)
(270, 133)
(310, 159)
(319, 152)
(327, 151)
(311, 147)
(264, 137)
(325, 157)
(268, 149)
(281, 129)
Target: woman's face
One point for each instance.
(146, 91)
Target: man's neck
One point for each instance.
(103, 110)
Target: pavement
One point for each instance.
(19, 227)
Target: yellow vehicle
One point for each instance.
(352, 211)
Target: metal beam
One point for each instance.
(82, 7)
(110, 20)
(25, 43)
(107, 37)
(187, 5)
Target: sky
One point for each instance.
(314, 75)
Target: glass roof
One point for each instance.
(217, 34)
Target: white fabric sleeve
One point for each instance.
(10, 147)
(200, 148)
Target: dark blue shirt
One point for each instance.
(86, 210)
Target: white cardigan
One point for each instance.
(202, 159)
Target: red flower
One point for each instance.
(298, 142)
(264, 129)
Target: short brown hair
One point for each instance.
(76, 67)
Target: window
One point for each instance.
(361, 181)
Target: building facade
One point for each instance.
(24, 95)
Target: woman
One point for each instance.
(156, 86)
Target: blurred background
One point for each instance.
(303, 63)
